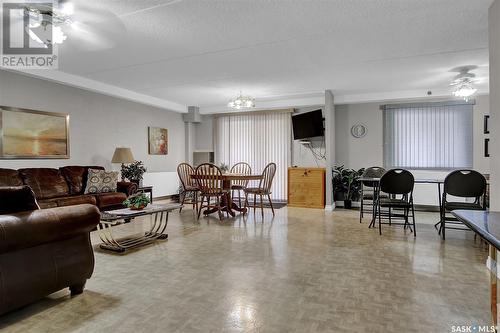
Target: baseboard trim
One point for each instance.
(426, 208)
(165, 197)
(355, 204)
(330, 208)
(418, 208)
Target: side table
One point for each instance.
(147, 189)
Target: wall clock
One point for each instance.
(358, 131)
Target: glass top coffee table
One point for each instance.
(158, 220)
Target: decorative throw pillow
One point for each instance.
(101, 181)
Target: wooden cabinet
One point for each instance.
(306, 187)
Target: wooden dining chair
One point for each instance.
(188, 184)
(210, 183)
(264, 188)
(241, 168)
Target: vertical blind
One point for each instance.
(428, 136)
(257, 139)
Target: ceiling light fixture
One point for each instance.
(464, 83)
(67, 8)
(241, 102)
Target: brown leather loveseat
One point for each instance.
(42, 250)
(65, 187)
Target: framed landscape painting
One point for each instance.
(158, 141)
(27, 134)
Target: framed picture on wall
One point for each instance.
(32, 134)
(486, 126)
(158, 141)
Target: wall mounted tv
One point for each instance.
(308, 125)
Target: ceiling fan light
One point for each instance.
(67, 8)
(464, 84)
(465, 92)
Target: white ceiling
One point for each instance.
(179, 53)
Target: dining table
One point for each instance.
(376, 183)
(227, 179)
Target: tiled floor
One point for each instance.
(303, 271)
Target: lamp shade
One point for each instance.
(122, 155)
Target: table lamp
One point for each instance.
(123, 155)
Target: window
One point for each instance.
(428, 136)
(256, 138)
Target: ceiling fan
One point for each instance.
(89, 28)
(464, 82)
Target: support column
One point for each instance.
(189, 140)
(330, 147)
(494, 47)
(193, 116)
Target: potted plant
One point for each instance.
(137, 201)
(346, 184)
(134, 172)
(224, 167)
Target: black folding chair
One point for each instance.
(462, 184)
(398, 185)
(369, 191)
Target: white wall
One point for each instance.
(482, 108)
(368, 151)
(363, 152)
(164, 183)
(494, 48)
(98, 124)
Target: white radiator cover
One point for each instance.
(164, 183)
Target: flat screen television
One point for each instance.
(308, 125)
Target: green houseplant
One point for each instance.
(346, 184)
(224, 167)
(134, 172)
(137, 201)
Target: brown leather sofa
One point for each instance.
(65, 187)
(42, 250)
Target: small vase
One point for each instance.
(137, 208)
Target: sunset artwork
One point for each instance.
(33, 134)
(158, 141)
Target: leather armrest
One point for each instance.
(15, 199)
(128, 188)
(31, 228)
